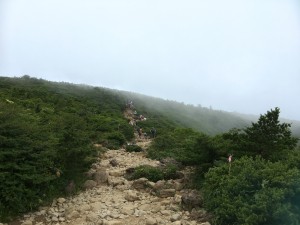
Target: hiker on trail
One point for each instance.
(140, 132)
(132, 122)
(145, 135)
(153, 132)
(129, 104)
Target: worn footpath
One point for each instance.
(110, 199)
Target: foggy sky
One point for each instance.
(233, 55)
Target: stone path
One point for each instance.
(110, 199)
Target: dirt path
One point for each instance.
(110, 199)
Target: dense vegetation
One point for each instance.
(48, 133)
(261, 186)
(47, 137)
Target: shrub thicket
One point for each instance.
(253, 192)
(47, 131)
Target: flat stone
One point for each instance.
(28, 222)
(140, 183)
(61, 200)
(175, 217)
(89, 184)
(117, 173)
(151, 221)
(112, 222)
(131, 196)
(164, 193)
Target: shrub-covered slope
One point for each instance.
(47, 136)
(48, 133)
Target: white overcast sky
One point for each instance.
(233, 55)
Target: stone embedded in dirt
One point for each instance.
(92, 217)
(164, 193)
(150, 184)
(115, 182)
(112, 222)
(140, 183)
(131, 196)
(114, 162)
(178, 185)
(159, 185)
(28, 222)
(116, 173)
(73, 214)
(175, 217)
(89, 184)
(61, 200)
(177, 223)
(100, 176)
(151, 221)
(205, 223)
(127, 210)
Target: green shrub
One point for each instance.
(133, 148)
(46, 135)
(253, 192)
(170, 172)
(155, 173)
(114, 140)
(151, 173)
(185, 146)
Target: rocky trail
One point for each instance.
(110, 199)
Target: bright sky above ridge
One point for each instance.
(233, 55)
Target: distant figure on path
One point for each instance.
(140, 131)
(153, 132)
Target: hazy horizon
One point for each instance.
(235, 56)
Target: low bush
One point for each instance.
(154, 173)
(133, 148)
(253, 192)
